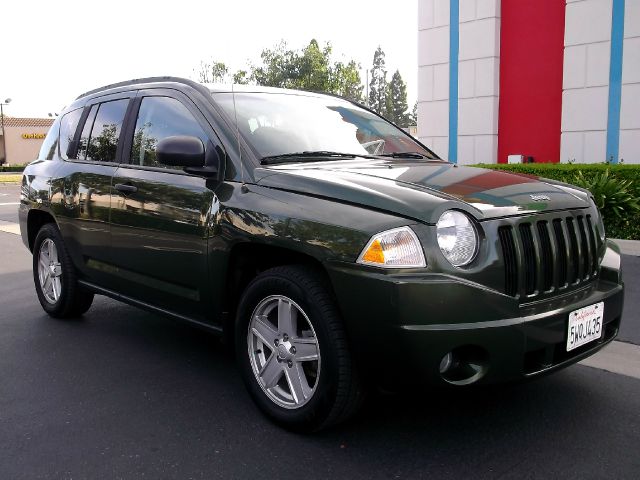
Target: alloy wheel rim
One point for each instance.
(284, 352)
(49, 271)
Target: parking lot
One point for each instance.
(124, 393)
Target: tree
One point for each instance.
(414, 114)
(346, 82)
(241, 77)
(378, 84)
(277, 69)
(396, 101)
(311, 68)
(308, 69)
(212, 72)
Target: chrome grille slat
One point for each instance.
(546, 256)
(510, 260)
(586, 252)
(575, 251)
(594, 245)
(530, 263)
(562, 255)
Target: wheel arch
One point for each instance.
(246, 260)
(36, 218)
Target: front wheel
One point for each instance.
(55, 277)
(293, 352)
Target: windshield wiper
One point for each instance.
(306, 156)
(403, 155)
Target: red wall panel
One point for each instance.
(531, 56)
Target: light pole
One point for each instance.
(4, 144)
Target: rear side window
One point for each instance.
(68, 126)
(159, 118)
(102, 142)
(50, 144)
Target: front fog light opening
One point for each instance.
(464, 365)
(446, 362)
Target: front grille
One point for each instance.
(549, 255)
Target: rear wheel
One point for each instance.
(293, 351)
(55, 277)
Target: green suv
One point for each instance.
(331, 248)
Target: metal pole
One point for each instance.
(4, 144)
(367, 70)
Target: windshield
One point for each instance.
(280, 123)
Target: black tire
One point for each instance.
(73, 301)
(338, 391)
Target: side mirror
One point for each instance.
(180, 151)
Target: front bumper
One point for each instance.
(401, 325)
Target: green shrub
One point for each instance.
(616, 189)
(12, 168)
(613, 196)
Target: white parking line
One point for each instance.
(8, 227)
(628, 247)
(9, 203)
(617, 357)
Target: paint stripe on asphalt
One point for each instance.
(7, 227)
(9, 203)
(617, 357)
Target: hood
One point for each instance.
(423, 190)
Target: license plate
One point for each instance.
(585, 325)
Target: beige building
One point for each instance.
(22, 139)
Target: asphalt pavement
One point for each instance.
(124, 393)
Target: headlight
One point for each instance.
(457, 238)
(397, 248)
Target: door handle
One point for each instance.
(126, 187)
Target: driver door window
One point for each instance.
(159, 118)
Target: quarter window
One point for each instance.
(50, 144)
(159, 118)
(68, 126)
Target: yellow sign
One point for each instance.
(28, 136)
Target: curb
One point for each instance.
(628, 247)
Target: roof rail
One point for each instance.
(137, 81)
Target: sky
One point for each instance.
(55, 50)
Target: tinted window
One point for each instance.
(68, 126)
(158, 118)
(86, 131)
(103, 141)
(50, 144)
